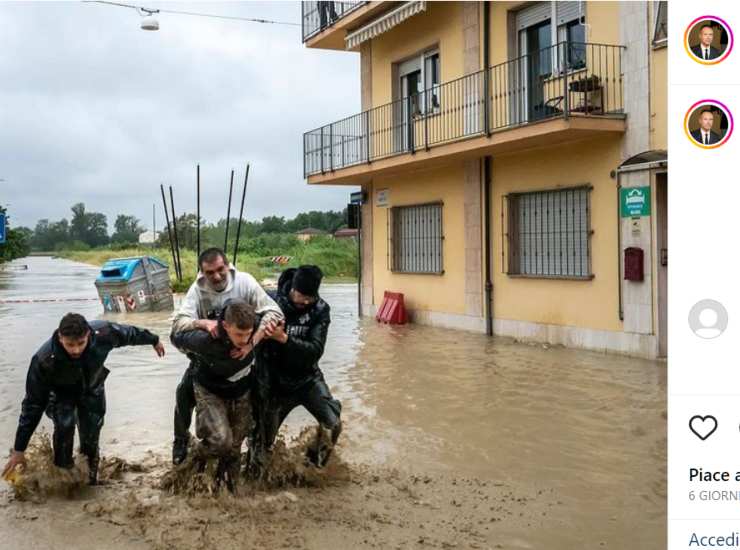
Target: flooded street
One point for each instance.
(516, 445)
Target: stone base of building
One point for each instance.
(606, 341)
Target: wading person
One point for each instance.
(288, 375)
(221, 384)
(66, 379)
(216, 283)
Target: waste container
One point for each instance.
(134, 284)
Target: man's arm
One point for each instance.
(187, 316)
(129, 335)
(192, 341)
(311, 347)
(33, 406)
(263, 304)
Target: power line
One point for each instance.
(150, 11)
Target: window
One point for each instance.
(660, 34)
(549, 233)
(575, 38)
(416, 238)
(419, 81)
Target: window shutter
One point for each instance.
(568, 11)
(532, 15)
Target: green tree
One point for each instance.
(273, 224)
(16, 243)
(90, 228)
(128, 229)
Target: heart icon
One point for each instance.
(703, 426)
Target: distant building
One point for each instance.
(345, 233)
(148, 237)
(308, 234)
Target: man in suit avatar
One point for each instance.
(704, 49)
(704, 134)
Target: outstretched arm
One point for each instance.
(129, 335)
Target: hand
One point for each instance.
(16, 458)
(277, 332)
(159, 348)
(208, 325)
(240, 353)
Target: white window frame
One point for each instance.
(656, 9)
(418, 63)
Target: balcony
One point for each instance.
(567, 91)
(317, 16)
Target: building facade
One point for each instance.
(513, 157)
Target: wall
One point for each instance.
(445, 292)
(441, 24)
(589, 304)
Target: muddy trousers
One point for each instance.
(221, 424)
(272, 407)
(184, 405)
(87, 414)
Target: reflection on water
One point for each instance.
(590, 426)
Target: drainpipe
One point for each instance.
(487, 182)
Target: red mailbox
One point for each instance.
(634, 264)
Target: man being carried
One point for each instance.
(222, 383)
(66, 379)
(289, 375)
(216, 283)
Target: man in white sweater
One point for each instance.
(217, 282)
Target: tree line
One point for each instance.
(85, 229)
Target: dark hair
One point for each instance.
(706, 26)
(710, 111)
(73, 325)
(240, 314)
(210, 255)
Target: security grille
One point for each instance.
(549, 233)
(416, 238)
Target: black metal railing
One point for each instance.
(316, 16)
(568, 79)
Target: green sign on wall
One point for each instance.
(634, 201)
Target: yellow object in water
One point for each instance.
(13, 476)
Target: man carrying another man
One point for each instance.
(216, 283)
(222, 383)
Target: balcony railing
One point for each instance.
(567, 79)
(316, 16)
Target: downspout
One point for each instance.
(487, 182)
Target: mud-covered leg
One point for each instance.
(184, 405)
(63, 415)
(317, 399)
(90, 419)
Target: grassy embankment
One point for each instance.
(337, 259)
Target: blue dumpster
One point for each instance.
(135, 284)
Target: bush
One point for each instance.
(76, 246)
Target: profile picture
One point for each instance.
(708, 123)
(708, 39)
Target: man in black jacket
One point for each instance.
(289, 375)
(704, 49)
(705, 134)
(66, 379)
(222, 383)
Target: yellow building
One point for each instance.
(513, 159)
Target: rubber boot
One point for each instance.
(93, 462)
(320, 450)
(179, 450)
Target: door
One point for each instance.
(408, 108)
(661, 207)
(536, 60)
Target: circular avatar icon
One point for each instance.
(708, 40)
(708, 123)
(708, 319)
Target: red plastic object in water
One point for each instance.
(392, 310)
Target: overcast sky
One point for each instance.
(93, 109)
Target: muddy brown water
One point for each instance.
(578, 438)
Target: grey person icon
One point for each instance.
(708, 319)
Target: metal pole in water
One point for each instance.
(228, 213)
(241, 213)
(197, 204)
(177, 242)
(169, 232)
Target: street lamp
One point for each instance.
(149, 22)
